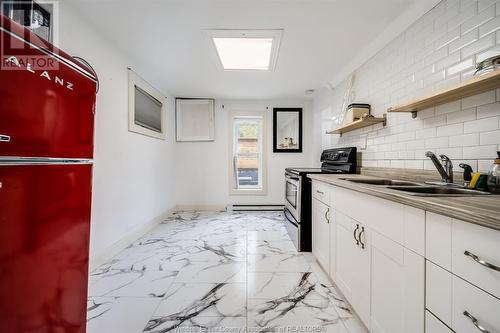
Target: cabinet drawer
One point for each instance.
(433, 325)
(438, 292)
(479, 305)
(321, 192)
(473, 249)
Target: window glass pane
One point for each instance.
(247, 148)
(147, 110)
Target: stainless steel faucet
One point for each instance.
(445, 171)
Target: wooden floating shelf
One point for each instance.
(364, 122)
(473, 86)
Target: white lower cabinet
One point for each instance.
(433, 325)
(397, 287)
(321, 233)
(405, 270)
(353, 264)
(474, 309)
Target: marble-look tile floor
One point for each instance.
(215, 271)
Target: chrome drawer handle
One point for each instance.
(318, 191)
(482, 262)
(4, 138)
(475, 322)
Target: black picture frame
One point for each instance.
(278, 147)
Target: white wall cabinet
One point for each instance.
(321, 233)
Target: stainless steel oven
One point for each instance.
(298, 194)
(293, 195)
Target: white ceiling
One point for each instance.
(321, 39)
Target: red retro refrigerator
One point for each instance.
(47, 101)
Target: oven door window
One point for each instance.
(291, 194)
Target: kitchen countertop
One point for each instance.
(481, 210)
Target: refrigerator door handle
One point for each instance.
(42, 161)
(4, 138)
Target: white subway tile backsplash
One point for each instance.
(415, 144)
(490, 138)
(414, 164)
(426, 133)
(384, 164)
(489, 27)
(475, 21)
(406, 155)
(467, 11)
(451, 152)
(461, 116)
(391, 155)
(435, 121)
(450, 130)
(438, 51)
(449, 60)
(478, 46)
(450, 37)
(480, 99)
(489, 110)
(481, 125)
(464, 140)
(483, 4)
(461, 66)
(437, 142)
(480, 152)
(369, 164)
(484, 165)
(449, 107)
(463, 41)
(400, 164)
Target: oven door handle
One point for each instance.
(291, 220)
(292, 178)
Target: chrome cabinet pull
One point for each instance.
(475, 322)
(355, 236)
(326, 216)
(4, 138)
(361, 233)
(482, 262)
(318, 191)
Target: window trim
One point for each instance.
(134, 80)
(232, 189)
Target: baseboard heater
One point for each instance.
(258, 208)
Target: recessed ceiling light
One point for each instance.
(246, 50)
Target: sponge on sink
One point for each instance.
(474, 180)
(479, 181)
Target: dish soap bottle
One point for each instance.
(494, 176)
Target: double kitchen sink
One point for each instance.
(418, 189)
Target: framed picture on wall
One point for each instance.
(287, 130)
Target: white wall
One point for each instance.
(202, 167)
(437, 51)
(133, 183)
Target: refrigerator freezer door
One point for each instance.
(46, 104)
(44, 241)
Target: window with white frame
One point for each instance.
(247, 152)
